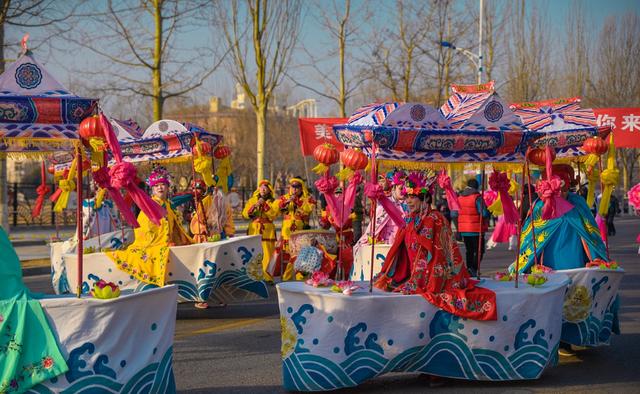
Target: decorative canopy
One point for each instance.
(164, 140)
(37, 113)
(468, 131)
(563, 123)
(474, 125)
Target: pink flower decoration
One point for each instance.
(634, 196)
(319, 279)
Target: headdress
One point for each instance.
(159, 174)
(398, 178)
(305, 191)
(266, 183)
(417, 184)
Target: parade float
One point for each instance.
(88, 352)
(223, 271)
(333, 339)
(590, 309)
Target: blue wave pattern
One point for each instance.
(592, 331)
(447, 354)
(155, 378)
(208, 281)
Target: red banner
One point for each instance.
(626, 133)
(315, 131)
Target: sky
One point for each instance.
(65, 65)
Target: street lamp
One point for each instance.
(475, 59)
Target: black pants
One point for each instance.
(471, 246)
(611, 229)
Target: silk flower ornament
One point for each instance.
(499, 182)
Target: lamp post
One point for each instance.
(475, 59)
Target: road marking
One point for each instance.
(220, 327)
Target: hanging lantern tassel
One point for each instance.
(344, 174)
(593, 176)
(42, 191)
(66, 185)
(100, 197)
(223, 174)
(610, 178)
(320, 169)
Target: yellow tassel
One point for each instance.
(344, 174)
(100, 197)
(593, 178)
(591, 160)
(496, 207)
(67, 186)
(320, 169)
(223, 172)
(610, 178)
(203, 166)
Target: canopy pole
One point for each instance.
(374, 203)
(79, 219)
(480, 232)
(520, 222)
(533, 227)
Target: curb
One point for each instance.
(33, 271)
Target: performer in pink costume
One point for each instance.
(386, 228)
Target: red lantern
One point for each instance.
(354, 159)
(221, 152)
(205, 149)
(326, 154)
(90, 128)
(538, 156)
(51, 169)
(595, 145)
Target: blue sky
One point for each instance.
(220, 84)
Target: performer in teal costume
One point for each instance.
(569, 241)
(29, 353)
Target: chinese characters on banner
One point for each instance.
(626, 133)
(316, 131)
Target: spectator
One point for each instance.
(235, 200)
(472, 221)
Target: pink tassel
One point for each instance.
(444, 181)
(124, 175)
(101, 177)
(375, 192)
(499, 182)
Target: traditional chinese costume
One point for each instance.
(262, 215)
(424, 259)
(296, 211)
(566, 242)
(147, 257)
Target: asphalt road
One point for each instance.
(236, 349)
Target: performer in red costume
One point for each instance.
(425, 259)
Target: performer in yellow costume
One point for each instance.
(296, 207)
(213, 218)
(147, 257)
(261, 210)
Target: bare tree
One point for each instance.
(576, 54)
(396, 50)
(343, 26)
(272, 29)
(444, 67)
(144, 46)
(528, 54)
(616, 78)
